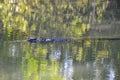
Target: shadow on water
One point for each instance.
(86, 59)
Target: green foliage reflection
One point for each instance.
(49, 18)
(36, 67)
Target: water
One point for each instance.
(75, 60)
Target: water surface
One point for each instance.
(75, 60)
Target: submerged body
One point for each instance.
(48, 39)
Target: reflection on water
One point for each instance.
(112, 74)
(83, 60)
(67, 69)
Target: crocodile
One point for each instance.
(35, 40)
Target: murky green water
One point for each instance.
(83, 60)
(73, 60)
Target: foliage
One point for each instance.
(38, 18)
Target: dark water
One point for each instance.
(81, 60)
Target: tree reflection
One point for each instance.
(86, 59)
(40, 18)
(36, 67)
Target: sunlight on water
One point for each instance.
(13, 50)
(55, 54)
(112, 74)
(68, 69)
